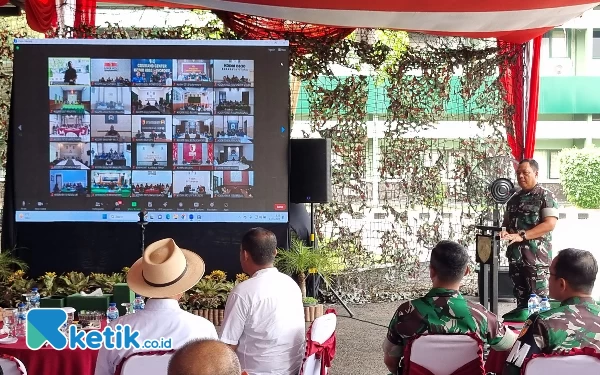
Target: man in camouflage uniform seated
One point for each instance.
(574, 324)
(443, 310)
(529, 220)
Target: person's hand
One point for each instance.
(503, 234)
(513, 238)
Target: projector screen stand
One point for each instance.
(313, 242)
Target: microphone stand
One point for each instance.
(142, 223)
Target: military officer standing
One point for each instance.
(530, 218)
(443, 310)
(574, 324)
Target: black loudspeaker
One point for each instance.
(310, 170)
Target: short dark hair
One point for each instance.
(261, 244)
(532, 163)
(223, 360)
(578, 268)
(449, 260)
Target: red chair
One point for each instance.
(11, 365)
(145, 363)
(444, 354)
(320, 345)
(585, 361)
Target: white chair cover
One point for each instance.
(568, 365)
(320, 331)
(443, 354)
(155, 363)
(11, 365)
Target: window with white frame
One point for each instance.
(557, 43)
(596, 44)
(549, 163)
(554, 168)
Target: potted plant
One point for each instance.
(53, 294)
(301, 259)
(312, 309)
(208, 297)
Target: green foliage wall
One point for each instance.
(580, 176)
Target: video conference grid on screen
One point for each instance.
(154, 128)
(114, 123)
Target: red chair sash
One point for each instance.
(13, 359)
(573, 352)
(473, 367)
(138, 354)
(325, 351)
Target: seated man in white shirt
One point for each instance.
(264, 315)
(163, 274)
(205, 357)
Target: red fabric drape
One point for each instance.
(534, 98)
(41, 15)
(3, 2)
(521, 133)
(512, 73)
(85, 13)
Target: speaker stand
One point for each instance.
(142, 223)
(313, 242)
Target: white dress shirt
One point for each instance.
(160, 318)
(264, 317)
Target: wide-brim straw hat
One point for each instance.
(165, 270)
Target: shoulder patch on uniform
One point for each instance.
(525, 328)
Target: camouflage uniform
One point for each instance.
(529, 260)
(447, 311)
(574, 324)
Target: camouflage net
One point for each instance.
(398, 187)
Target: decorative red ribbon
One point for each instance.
(325, 351)
(13, 359)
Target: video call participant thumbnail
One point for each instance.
(233, 184)
(193, 156)
(111, 128)
(193, 128)
(192, 73)
(111, 72)
(152, 184)
(152, 128)
(233, 157)
(151, 100)
(111, 100)
(192, 184)
(69, 71)
(115, 183)
(110, 155)
(236, 101)
(151, 156)
(69, 100)
(193, 101)
(234, 129)
(70, 128)
(152, 72)
(234, 73)
(68, 183)
(69, 155)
